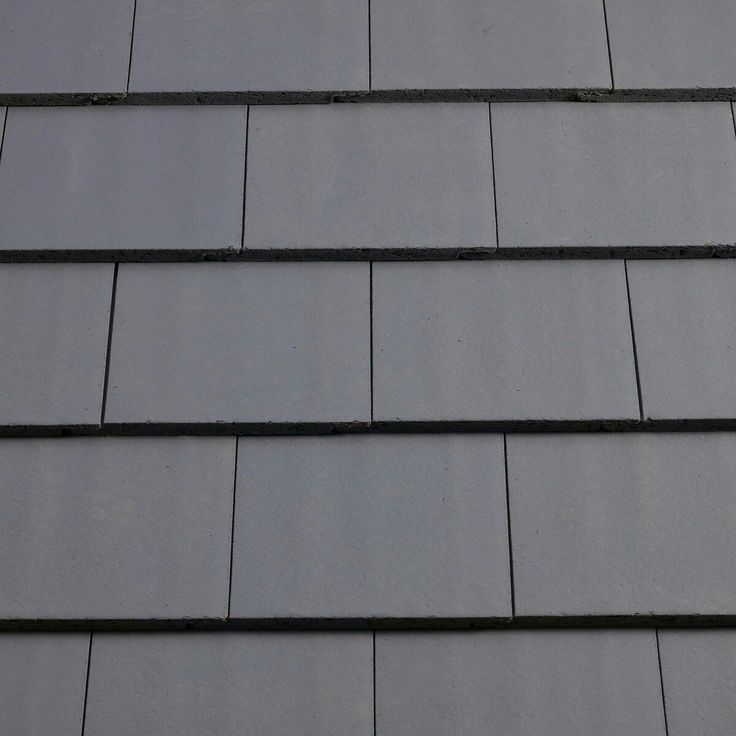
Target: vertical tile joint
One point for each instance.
(232, 528)
(608, 44)
(508, 524)
(493, 174)
(374, 684)
(733, 119)
(132, 37)
(370, 310)
(109, 342)
(245, 177)
(370, 50)
(633, 343)
(5, 127)
(661, 683)
(86, 682)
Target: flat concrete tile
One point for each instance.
(231, 683)
(42, 679)
(623, 524)
(491, 340)
(122, 177)
(253, 342)
(524, 683)
(279, 45)
(65, 46)
(362, 176)
(685, 337)
(699, 678)
(357, 526)
(448, 44)
(53, 330)
(115, 527)
(650, 174)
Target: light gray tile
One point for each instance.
(623, 524)
(522, 340)
(122, 177)
(231, 683)
(68, 46)
(42, 679)
(362, 176)
(527, 683)
(653, 174)
(53, 330)
(356, 526)
(699, 677)
(473, 43)
(115, 527)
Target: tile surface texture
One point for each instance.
(638, 174)
(356, 526)
(115, 527)
(122, 177)
(253, 342)
(623, 524)
(362, 176)
(522, 340)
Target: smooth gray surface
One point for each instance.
(623, 524)
(122, 177)
(252, 342)
(42, 680)
(65, 45)
(473, 43)
(522, 340)
(656, 174)
(360, 526)
(699, 676)
(575, 683)
(362, 176)
(230, 684)
(271, 45)
(115, 527)
(685, 337)
(53, 333)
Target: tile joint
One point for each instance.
(661, 683)
(109, 344)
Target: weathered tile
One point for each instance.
(650, 174)
(685, 337)
(357, 526)
(362, 176)
(53, 330)
(623, 524)
(699, 679)
(231, 683)
(253, 342)
(66, 46)
(526, 683)
(115, 527)
(472, 43)
(122, 177)
(42, 679)
(490, 340)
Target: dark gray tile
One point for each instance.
(230, 684)
(654, 174)
(115, 527)
(356, 526)
(42, 679)
(623, 524)
(53, 330)
(473, 43)
(362, 176)
(522, 340)
(234, 342)
(122, 177)
(526, 683)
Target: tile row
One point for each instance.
(368, 527)
(368, 176)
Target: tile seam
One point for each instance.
(493, 176)
(2, 137)
(245, 178)
(608, 44)
(508, 525)
(375, 721)
(661, 683)
(232, 528)
(733, 118)
(108, 352)
(132, 38)
(370, 309)
(86, 683)
(370, 47)
(633, 344)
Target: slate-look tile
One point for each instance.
(368, 176)
(122, 177)
(623, 524)
(283, 45)
(473, 43)
(53, 331)
(115, 527)
(42, 678)
(527, 683)
(649, 174)
(523, 340)
(361, 526)
(230, 684)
